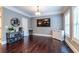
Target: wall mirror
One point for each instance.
(15, 22)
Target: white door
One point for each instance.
(25, 26)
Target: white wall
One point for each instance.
(25, 26)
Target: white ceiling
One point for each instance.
(45, 10)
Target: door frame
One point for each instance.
(24, 25)
(1, 10)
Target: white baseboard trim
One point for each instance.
(4, 42)
(43, 35)
(26, 34)
(72, 47)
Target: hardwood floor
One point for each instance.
(37, 44)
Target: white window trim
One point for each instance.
(74, 37)
(69, 23)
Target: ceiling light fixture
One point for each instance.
(37, 11)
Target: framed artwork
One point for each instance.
(43, 22)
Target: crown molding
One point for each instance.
(25, 14)
(16, 10)
(47, 14)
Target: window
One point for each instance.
(67, 24)
(76, 22)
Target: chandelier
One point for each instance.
(37, 11)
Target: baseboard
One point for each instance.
(71, 46)
(4, 42)
(43, 35)
(26, 35)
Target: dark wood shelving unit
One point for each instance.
(13, 37)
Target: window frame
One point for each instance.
(75, 25)
(67, 12)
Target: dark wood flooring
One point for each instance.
(36, 44)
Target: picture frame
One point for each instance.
(45, 22)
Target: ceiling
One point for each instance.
(45, 10)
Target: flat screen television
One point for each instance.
(45, 22)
